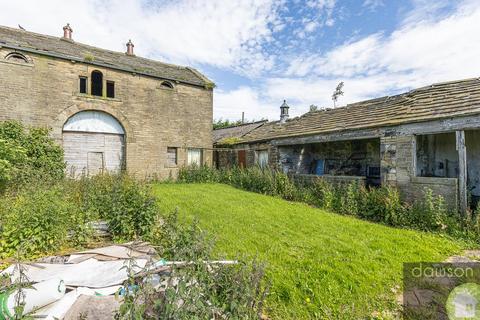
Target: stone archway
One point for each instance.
(93, 142)
(68, 112)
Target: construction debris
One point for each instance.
(87, 283)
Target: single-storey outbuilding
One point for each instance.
(428, 137)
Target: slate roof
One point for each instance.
(71, 50)
(235, 131)
(441, 100)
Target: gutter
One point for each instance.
(100, 64)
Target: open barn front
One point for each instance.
(336, 160)
(93, 142)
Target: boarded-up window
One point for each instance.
(194, 157)
(171, 156)
(261, 158)
(110, 89)
(83, 85)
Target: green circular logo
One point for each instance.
(464, 302)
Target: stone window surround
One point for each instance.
(88, 76)
(27, 63)
(167, 163)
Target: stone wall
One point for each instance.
(398, 169)
(225, 158)
(336, 180)
(446, 187)
(45, 92)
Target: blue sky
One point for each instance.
(260, 52)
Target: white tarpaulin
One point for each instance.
(90, 273)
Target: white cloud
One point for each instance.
(231, 104)
(373, 4)
(226, 34)
(311, 26)
(420, 52)
(431, 44)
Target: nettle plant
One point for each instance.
(196, 287)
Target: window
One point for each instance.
(194, 157)
(83, 85)
(171, 156)
(166, 84)
(110, 89)
(16, 57)
(97, 83)
(261, 158)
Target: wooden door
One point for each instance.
(79, 149)
(242, 159)
(95, 163)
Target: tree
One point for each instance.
(220, 123)
(313, 108)
(338, 92)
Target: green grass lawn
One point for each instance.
(321, 265)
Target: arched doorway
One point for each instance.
(93, 142)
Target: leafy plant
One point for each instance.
(28, 154)
(193, 287)
(38, 220)
(125, 203)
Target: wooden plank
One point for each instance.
(462, 174)
(77, 146)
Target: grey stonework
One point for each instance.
(45, 92)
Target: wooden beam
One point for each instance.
(462, 174)
(426, 127)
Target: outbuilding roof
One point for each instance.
(437, 101)
(71, 50)
(235, 132)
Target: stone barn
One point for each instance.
(428, 137)
(109, 110)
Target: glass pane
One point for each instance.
(83, 85)
(262, 158)
(194, 157)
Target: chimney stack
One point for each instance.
(130, 48)
(284, 112)
(67, 32)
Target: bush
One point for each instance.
(37, 221)
(41, 218)
(196, 174)
(11, 158)
(255, 179)
(126, 204)
(430, 213)
(28, 154)
(323, 194)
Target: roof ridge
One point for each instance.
(46, 44)
(242, 124)
(441, 100)
(90, 46)
(403, 94)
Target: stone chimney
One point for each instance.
(130, 48)
(284, 112)
(67, 32)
